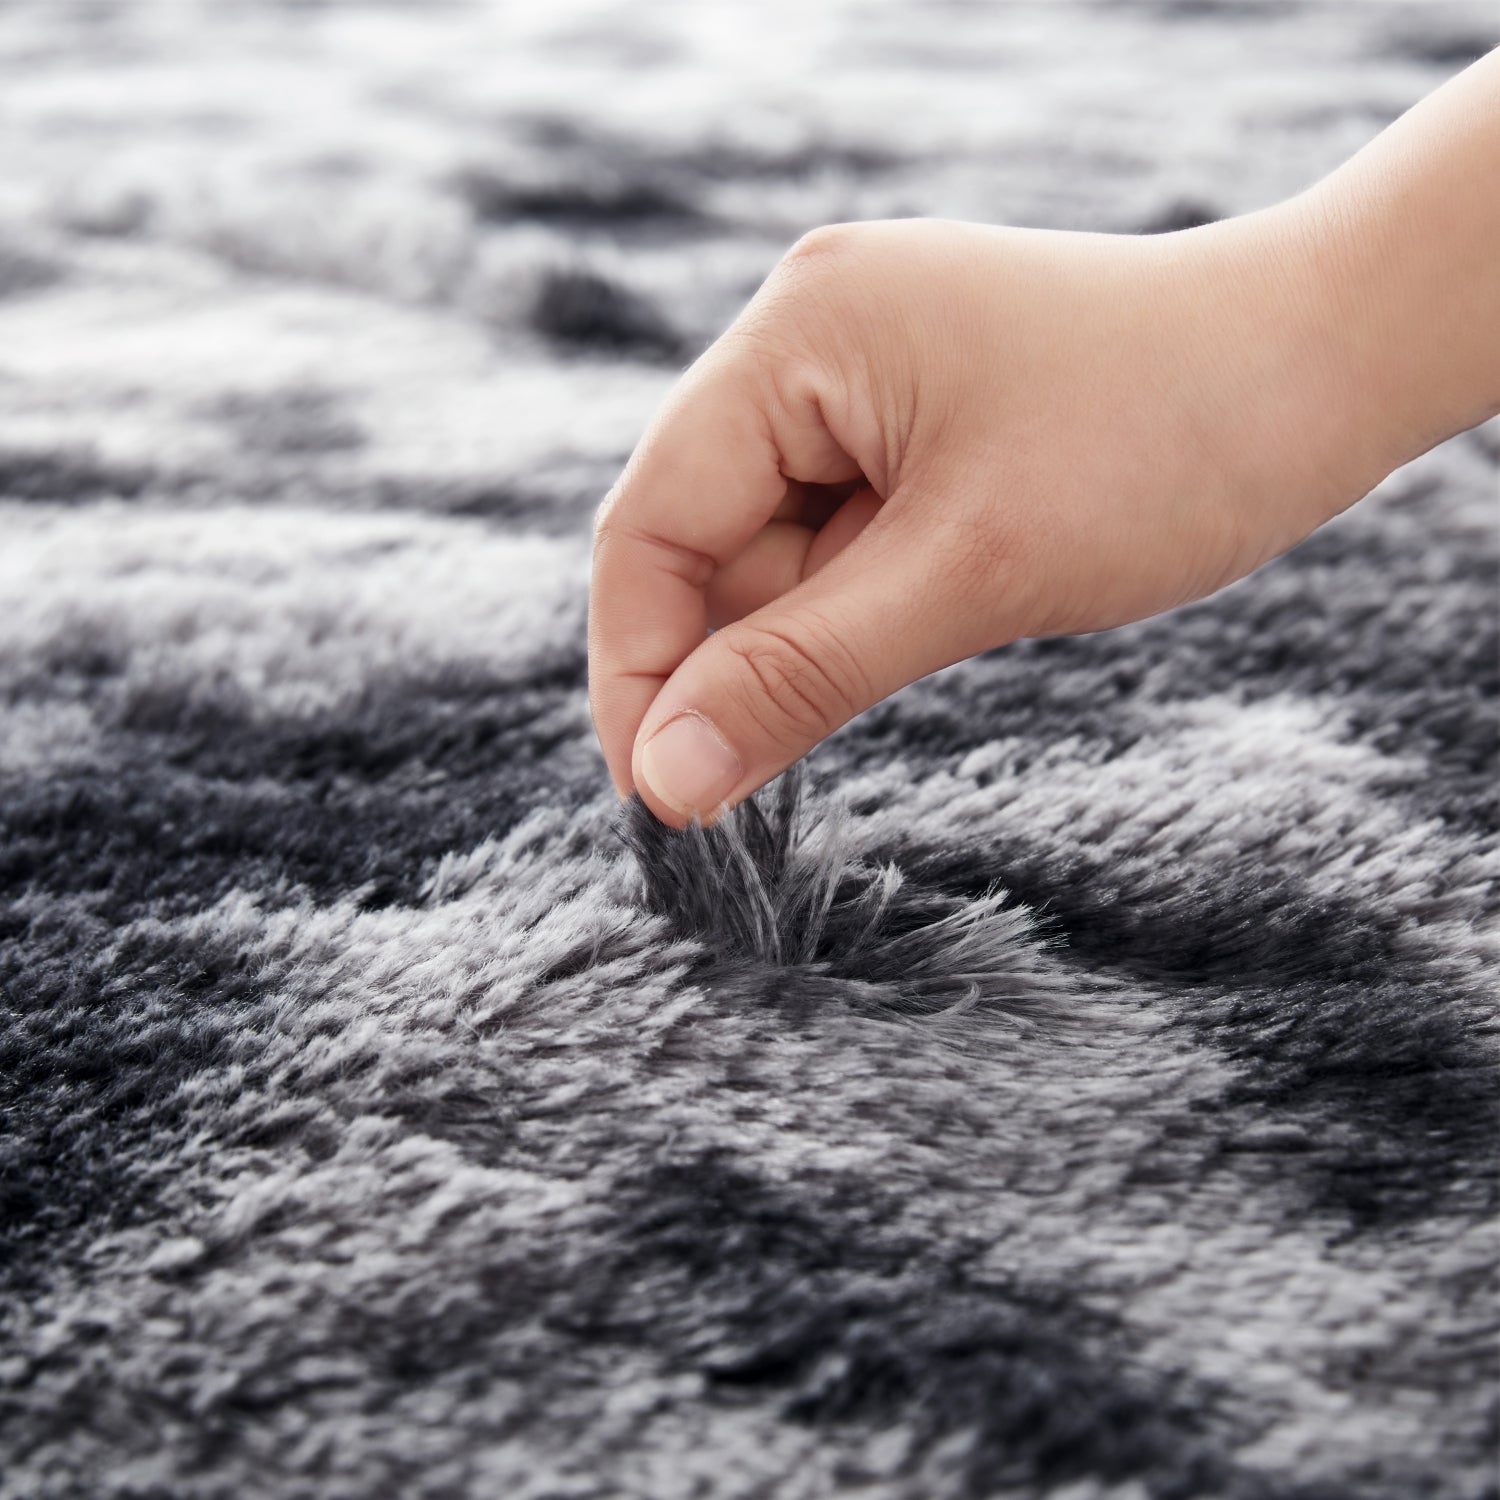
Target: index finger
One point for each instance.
(709, 473)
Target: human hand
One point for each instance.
(924, 439)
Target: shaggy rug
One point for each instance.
(1080, 1083)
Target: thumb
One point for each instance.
(761, 692)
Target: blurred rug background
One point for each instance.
(371, 1127)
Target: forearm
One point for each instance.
(1407, 234)
(1373, 298)
(1415, 220)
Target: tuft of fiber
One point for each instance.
(778, 886)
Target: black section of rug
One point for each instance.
(1078, 1081)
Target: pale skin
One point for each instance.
(925, 439)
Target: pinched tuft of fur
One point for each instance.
(778, 888)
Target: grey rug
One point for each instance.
(1081, 1085)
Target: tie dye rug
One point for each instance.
(1080, 1085)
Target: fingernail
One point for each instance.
(689, 766)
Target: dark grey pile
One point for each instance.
(1083, 1086)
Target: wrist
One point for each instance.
(1290, 351)
(1348, 383)
(1391, 284)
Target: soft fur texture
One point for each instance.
(1082, 1085)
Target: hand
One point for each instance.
(923, 439)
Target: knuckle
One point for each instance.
(818, 245)
(606, 515)
(810, 680)
(803, 303)
(603, 524)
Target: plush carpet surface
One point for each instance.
(1082, 1086)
